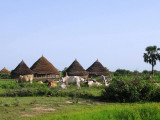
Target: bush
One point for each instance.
(136, 90)
(35, 89)
(5, 75)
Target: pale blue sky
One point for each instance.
(114, 31)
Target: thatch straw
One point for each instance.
(4, 70)
(97, 69)
(75, 69)
(43, 66)
(21, 69)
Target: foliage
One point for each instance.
(121, 89)
(64, 71)
(122, 72)
(5, 75)
(13, 89)
(136, 90)
(152, 56)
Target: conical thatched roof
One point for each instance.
(4, 70)
(43, 66)
(75, 69)
(97, 69)
(21, 69)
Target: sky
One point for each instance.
(116, 32)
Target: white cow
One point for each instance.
(25, 78)
(102, 77)
(73, 79)
(91, 83)
(107, 82)
(63, 86)
(40, 81)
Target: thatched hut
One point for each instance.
(43, 69)
(21, 69)
(75, 69)
(4, 70)
(97, 69)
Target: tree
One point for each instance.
(122, 72)
(152, 56)
(64, 71)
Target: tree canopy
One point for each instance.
(151, 56)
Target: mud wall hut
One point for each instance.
(43, 69)
(21, 69)
(76, 69)
(97, 69)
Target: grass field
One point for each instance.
(72, 108)
(60, 108)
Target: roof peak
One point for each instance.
(42, 57)
(97, 60)
(22, 61)
(4, 70)
(76, 59)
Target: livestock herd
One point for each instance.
(65, 81)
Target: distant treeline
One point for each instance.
(118, 72)
(123, 72)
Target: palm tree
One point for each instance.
(152, 56)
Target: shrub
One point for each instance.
(5, 75)
(136, 90)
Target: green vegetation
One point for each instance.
(10, 88)
(110, 112)
(5, 75)
(39, 102)
(152, 56)
(135, 90)
(65, 108)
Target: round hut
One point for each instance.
(43, 69)
(75, 69)
(97, 69)
(4, 70)
(21, 69)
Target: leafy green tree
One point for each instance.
(152, 56)
(122, 72)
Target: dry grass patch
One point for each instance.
(41, 109)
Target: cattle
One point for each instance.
(73, 79)
(25, 78)
(52, 84)
(102, 78)
(40, 81)
(107, 82)
(91, 83)
(63, 86)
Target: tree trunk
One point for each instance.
(152, 69)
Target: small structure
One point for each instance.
(4, 70)
(43, 69)
(21, 69)
(97, 69)
(75, 69)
